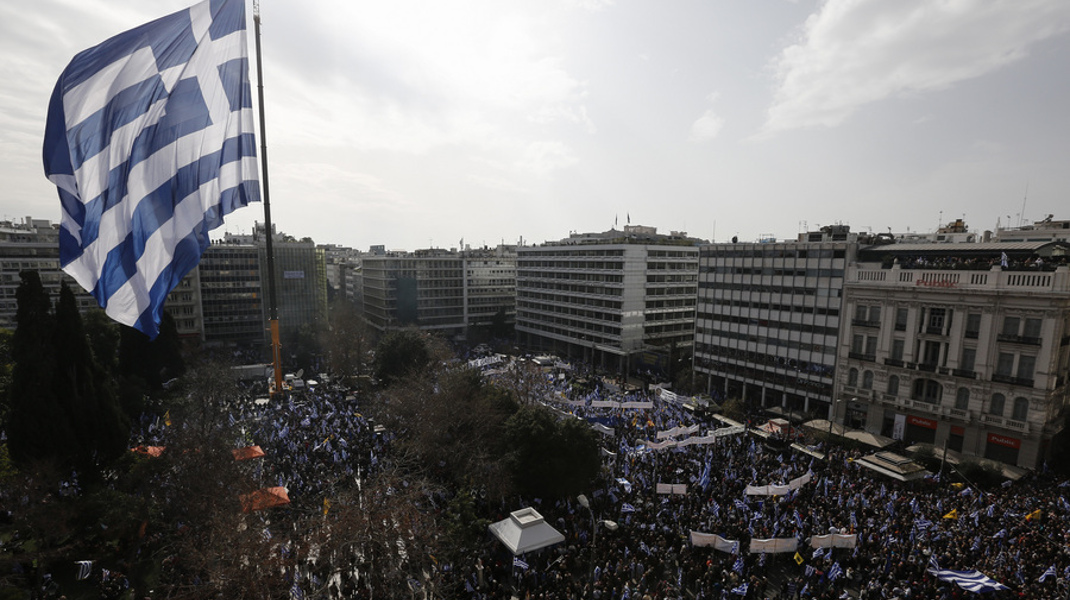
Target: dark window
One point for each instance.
(867, 380)
(995, 406)
(901, 319)
(962, 398)
(1010, 326)
(852, 377)
(1021, 409)
(1005, 364)
(893, 385)
(973, 325)
(969, 358)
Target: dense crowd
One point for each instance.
(902, 528)
(319, 437)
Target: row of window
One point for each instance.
(931, 391)
(771, 289)
(760, 252)
(777, 325)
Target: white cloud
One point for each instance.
(854, 52)
(708, 125)
(544, 157)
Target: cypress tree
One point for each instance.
(38, 427)
(86, 390)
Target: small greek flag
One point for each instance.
(740, 590)
(519, 563)
(738, 566)
(627, 508)
(835, 572)
(1049, 573)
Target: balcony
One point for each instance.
(958, 413)
(865, 323)
(1021, 426)
(860, 356)
(1019, 339)
(935, 330)
(964, 373)
(894, 362)
(927, 367)
(993, 419)
(997, 378)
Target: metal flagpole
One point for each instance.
(273, 307)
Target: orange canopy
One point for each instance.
(247, 452)
(149, 450)
(264, 498)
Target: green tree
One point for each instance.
(551, 457)
(86, 389)
(38, 424)
(347, 341)
(400, 354)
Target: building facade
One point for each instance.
(33, 245)
(617, 300)
(232, 295)
(768, 320)
(959, 345)
(445, 291)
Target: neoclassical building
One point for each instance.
(959, 345)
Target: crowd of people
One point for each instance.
(632, 542)
(1015, 534)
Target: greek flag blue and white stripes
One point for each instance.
(627, 508)
(741, 589)
(84, 569)
(150, 142)
(738, 565)
(519, 563)
(971, 581)
(1049, 573)
(835, 572)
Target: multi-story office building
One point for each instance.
(768, 320)
(33, 245)
(959, 345)
(300, 281)
(440, 290)
(609, 298)
(233, 300)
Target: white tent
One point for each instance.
(524, 531)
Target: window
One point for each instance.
(969, 359)
(1005, 364)
(860, 312)
(973, 325)
(852, 377)
(1020, 412)
(1010, 326)
(867, 380)
(875, 314)
(901, 319)
(871, 345)
(962, 399)
(995, 406)
(1026, 366)
(936, 319)
(1032, 329)
(897, 349)
(927, 390)
(856, 343)
(893, 385)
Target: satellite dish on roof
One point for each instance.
(300, 372)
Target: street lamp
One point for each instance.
(609, 525)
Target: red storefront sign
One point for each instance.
(920, 422)
(1003, 440)
(957, 430)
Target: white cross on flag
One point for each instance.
(150, 142)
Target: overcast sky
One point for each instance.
(418, 123)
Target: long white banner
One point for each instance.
(715, 541)
(835, 540)
(774, 546)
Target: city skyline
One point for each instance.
(414, 124)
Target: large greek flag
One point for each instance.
(150, 142)
(971, 581)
